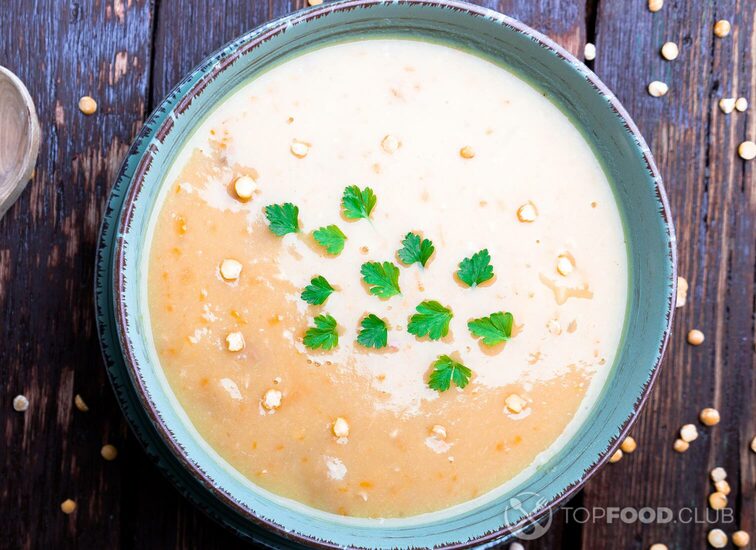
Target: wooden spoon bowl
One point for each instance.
(19, 138)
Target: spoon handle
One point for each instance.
(19, 138)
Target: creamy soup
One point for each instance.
(411, 387)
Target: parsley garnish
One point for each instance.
(494, 329)
(283, 218)
(358, 204)
(323, 335)
(432, 319)
(445, 371)
(317, 291)
(414, 249)
(331, 238)
(477, 269)
(374, 333)
(383, 278)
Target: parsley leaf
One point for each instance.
(317, 291)
(494, 329)
(477, 269)
(414, 249)
(283, 218)
(331, 238)
(383, 278)
(432, 319)
(445, 371)
(323, 335)
(358, 204)
(374, 333)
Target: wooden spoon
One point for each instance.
(19, 138)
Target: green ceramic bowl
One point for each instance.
(151, 407)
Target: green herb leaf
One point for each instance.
(317, 291)
(374, 333)
(494, 329)
(445, 371)
(383, 278)
(331, 238)
(283, 218)
(414, 249)
(432, 319)
(477, 269)
(358, 204)
(323, 335)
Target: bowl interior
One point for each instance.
(567, 83)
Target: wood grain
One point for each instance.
(48, 348)
(128, 54)
(711, 195)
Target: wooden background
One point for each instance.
(129, 53)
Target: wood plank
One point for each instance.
(49, 348)
(711, 193)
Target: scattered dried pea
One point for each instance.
(390, 144)
(747, 150)
(230, 269)
(87, 105)
(717, 538)
(658, 88)
(272, 399)
(718, 474)
(340, 427)
(629, 445)
(695, 337)
(314, 2)
(670, 51)
(235, 341)
(681, 446)
(741, 539)
(688, 433)
(709, 416)
(68, 506)
(727, 104)
(109, 452)
(658, 546)
(589, 52)
(722, 487)
(722, 28)
(20, 403)
(717, 500)
(753, 444)
(80, 404)
(682, 291)
(245, 187)
(299, 148)
(466, 152)
(515, 404)
(655, 5)
(564, 265)
(741, 104)
(527, 213)
(616, 457)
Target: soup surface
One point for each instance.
(457, 151)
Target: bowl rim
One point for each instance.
(213, 65)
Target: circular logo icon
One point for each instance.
(517, 509)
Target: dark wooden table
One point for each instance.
(129, 53)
